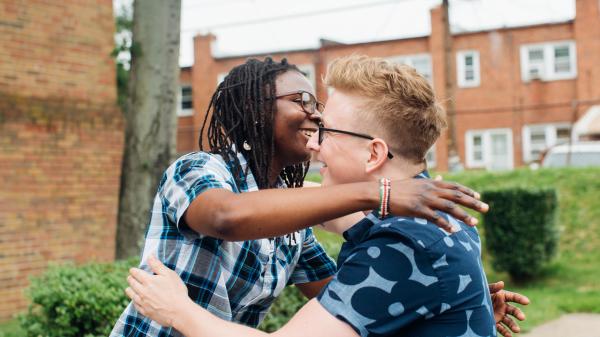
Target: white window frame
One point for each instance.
(221, 77)
(462, 68)
(309, 70)
(486, 144)
(547, 71)
(410, 61)
(432, 160)
(550, 132)
(184, 112)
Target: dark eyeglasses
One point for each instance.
(323, 129)
(307, 101)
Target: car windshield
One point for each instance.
(578, 159)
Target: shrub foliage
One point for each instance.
(73, 300)
(520, 230)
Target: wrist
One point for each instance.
(182, 313)
(369, 194)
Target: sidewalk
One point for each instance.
(571, 325)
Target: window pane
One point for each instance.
(469, 75)
(476, 141)
(478, 155)
(536, 54)
(563, 134)
(423, 66)
(562, 66)
(186, 91)
(469, 60)
(562, 61)
(561, 52)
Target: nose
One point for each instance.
(313, 142)
(315, 117)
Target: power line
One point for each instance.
(295, 16)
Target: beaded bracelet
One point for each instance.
(384, 197)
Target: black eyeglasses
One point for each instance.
(323, 129)
(307, 101)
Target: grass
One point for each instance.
(11, 329)
(570, 283)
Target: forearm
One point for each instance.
(340, 225)
(274, 212)
(195, 321)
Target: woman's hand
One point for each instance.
(160, 296)
(423, 197)
(502, 310)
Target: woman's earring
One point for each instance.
(247, 146)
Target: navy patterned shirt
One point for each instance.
(407, 277)
(236, 281)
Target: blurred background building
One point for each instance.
(518, 89)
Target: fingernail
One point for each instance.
(477, 195)
(474, 221)
(484, 206)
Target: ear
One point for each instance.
(378, 151)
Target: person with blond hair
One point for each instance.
(397, 275)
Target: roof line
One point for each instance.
(344, 45)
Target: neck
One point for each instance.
(276, 168)
(398, 170)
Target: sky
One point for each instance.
(301, 23)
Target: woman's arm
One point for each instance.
(274, 212)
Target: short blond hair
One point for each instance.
(399, 104)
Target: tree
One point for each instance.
(150, 131)
(122, 51)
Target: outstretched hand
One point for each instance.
(423, 197)
(505, 324)
(157, 296)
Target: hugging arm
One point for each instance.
(223, 214)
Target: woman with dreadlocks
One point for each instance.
(222, 219)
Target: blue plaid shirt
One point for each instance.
(236, 281)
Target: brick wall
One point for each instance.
(61, 139)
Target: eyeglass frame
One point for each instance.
(360, 135)
(301, 93)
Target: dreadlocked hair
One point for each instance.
(243, 110)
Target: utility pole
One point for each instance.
(449, 75)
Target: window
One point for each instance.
(548, 61)
(185, 101)
(467, 65)
(490, 149)
(538, 138)
(309, 72)
(221, 77)
(430, 158)
(421, 63)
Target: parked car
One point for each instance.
(579, 154)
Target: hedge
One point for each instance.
(76, 301)
(520, 230)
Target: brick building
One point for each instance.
(61, 139)
(518, 90)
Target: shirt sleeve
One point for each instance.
(314, 264)
(187, 178)
(385, 284)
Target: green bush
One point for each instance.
(73, 300)
(520, 230)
